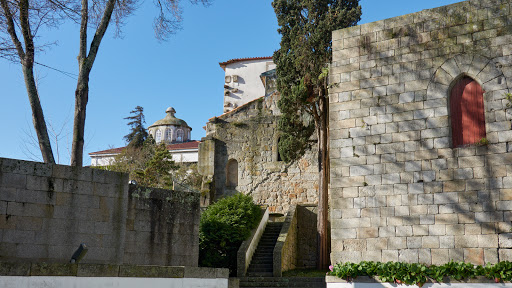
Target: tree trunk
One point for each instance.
(37, 114)
(323, 192)
(85, 63)
(81, 99)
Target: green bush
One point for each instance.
(223, 227)
(413, 273)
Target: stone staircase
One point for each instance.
(260, 271)
(262, 261)
(292, 282)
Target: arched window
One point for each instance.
(232, 173)
(279, 158)
(179, 135)
(169, 135)
(467, 112)
(158, 137)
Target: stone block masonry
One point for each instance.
(47, 211)
(399, 189)
(248, 137)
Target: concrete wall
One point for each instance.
(97, 275)
(249, 135)
(46, 211)
(296, 247)
(399, 190)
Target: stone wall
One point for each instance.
(296, 247)
(399, 190)
(249, 135)
(46, 211)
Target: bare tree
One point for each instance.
(25, 17)
(20, 21)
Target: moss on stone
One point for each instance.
(151, 271)
(53, 269)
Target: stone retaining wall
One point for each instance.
(46, 211)
(399, 190)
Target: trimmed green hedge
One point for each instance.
(223, 227)
(414, 273)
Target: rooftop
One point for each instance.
(194, 144)
(224, 64)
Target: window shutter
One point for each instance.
(467, 112)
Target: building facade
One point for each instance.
(243, 80)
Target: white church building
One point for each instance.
(170, 130)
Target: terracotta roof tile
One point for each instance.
(108, 151)
(194, 144)
(236, 109)
(223, 64)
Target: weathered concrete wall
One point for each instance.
(307, 239)
(287, 249)
(166, 223)
(249, 135)
(399, 190)
(296, 247)
(46, 211)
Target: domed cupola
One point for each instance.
(170, 129)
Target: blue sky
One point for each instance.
(136, 69)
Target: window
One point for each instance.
(467, 112)
(279, 158)
(169, 135)
(158, 137)
(232, 173)
(179, 135)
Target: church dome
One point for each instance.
(170, 119)
(170, 129)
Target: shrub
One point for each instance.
(223, 227)
(414, 273)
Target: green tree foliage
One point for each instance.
(150, 165)
(302, 68)
(187, 177)
(223, 227)
(306, 50)
(157, 172)
(138, 133)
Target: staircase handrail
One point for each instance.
(248, 247)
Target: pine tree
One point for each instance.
(138, 133)
(302, 72)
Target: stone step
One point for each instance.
(297, 282)
(259, 274)
(261, 261)
(265, 266)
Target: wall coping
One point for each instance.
(107, 270)
(406, 19)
